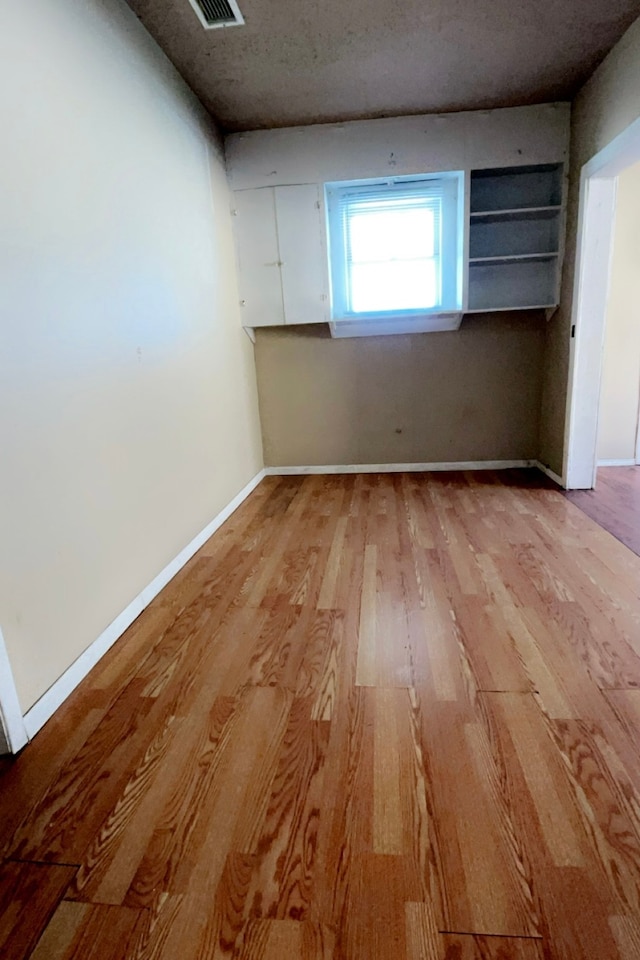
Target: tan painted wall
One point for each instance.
(620, 391)
(606, 105)
(469, 395)
(128, 387)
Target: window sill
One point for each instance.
(427, 323)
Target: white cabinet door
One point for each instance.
(258, 258)
(302, 253)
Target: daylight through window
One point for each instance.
(393, 247)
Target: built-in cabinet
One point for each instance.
(515, 232)
(281, 255)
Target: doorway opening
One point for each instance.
(596, 218)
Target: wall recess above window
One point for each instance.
(217, 13)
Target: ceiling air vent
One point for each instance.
(217, 13)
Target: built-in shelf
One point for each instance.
(516, 188)
(519, 256)
(515, 284)
(530, 306)
(515, 213)
(514, 237)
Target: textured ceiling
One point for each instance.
(310, 61)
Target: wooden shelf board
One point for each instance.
(533, 306)
(515, 211)
(510, 258)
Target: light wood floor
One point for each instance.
(375, 718)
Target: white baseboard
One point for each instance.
(13, 733)
(400, 467)
(45, 707)
(616, 463)
(550, 473)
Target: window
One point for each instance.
(394, 247)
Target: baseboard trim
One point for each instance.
(550, 473)
(46, 706)
(616, 463)
(400, 467)
(13, 732)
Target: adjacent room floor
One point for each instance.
(384, 717)
(615, 503)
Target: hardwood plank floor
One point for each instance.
(376, 717)
(614, 503)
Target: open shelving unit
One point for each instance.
(514, 237)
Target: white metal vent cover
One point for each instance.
(217, 13)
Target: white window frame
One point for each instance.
(451, 191)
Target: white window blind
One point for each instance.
(392, 247)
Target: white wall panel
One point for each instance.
(399, 146)
(302, 254)
(258, 258)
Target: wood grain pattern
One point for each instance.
(93, 932)
(464, 947)
(392, 717)
(422, 936)
(29, 895)
(388, 828)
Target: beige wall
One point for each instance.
(129, 410)
(469, 395)
(620, 391)
(606, 105)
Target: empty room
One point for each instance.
(319, 537)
